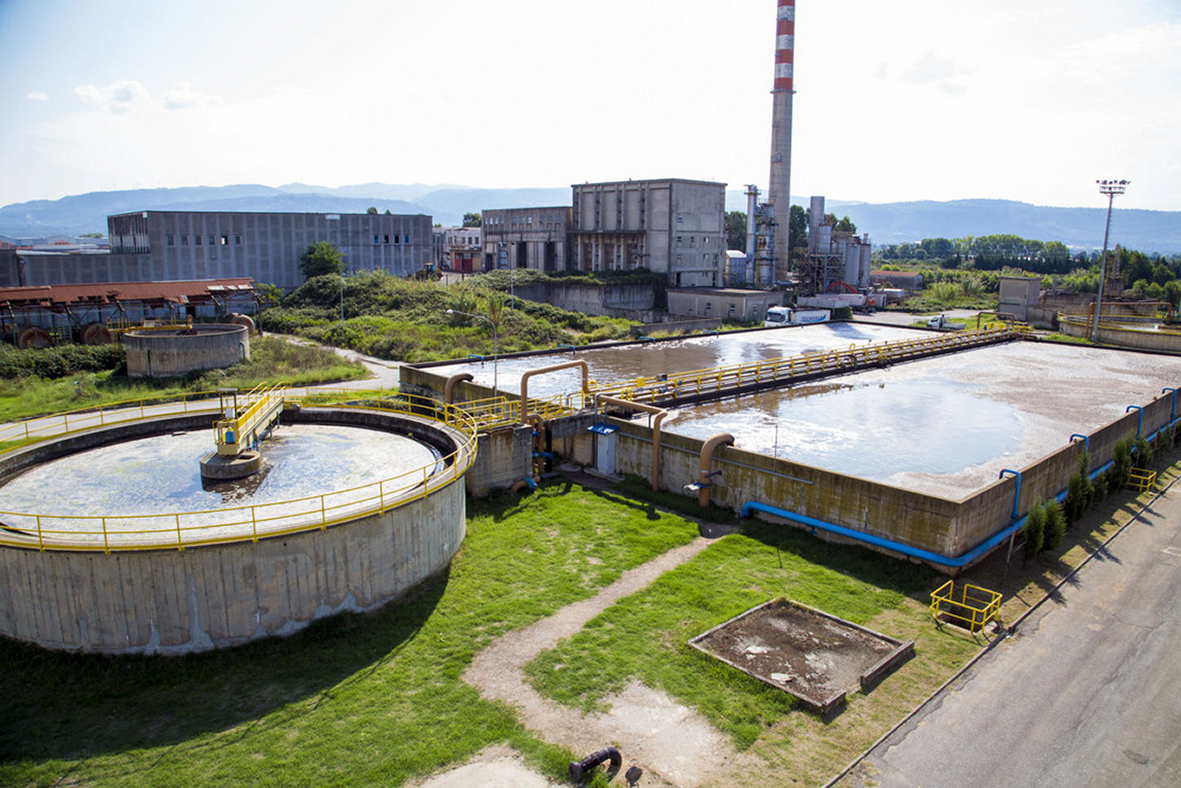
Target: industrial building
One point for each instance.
(673, 227)
(266, 246)
(458, 248)
(535, 238)
(161, 246)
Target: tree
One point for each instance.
(371, 211)
(321, 258)
(735, 222)
(797, 227)
(472, 220)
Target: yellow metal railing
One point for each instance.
(973, 606)
(178, 530)
(785, 370)
(55, 425)
(262, 407)
(1141, 479)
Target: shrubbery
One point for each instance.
(59, 361)
(407, 320)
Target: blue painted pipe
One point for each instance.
(1086, 440)
(1139, 417)
(890, 544)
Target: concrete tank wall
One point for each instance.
(171, 601)
(947, 527)
(165, 353)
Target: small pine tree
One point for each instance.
(1144, 453)
(1100, 487)
(1034, 531)
(1055, 527)
(1075, 502)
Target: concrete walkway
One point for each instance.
(1088, 692)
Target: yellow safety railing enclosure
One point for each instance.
(57, 424)
(1141, 479)
(178, 530)
(260, 409)
(972, 606)
(782, 371)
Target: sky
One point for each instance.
(1030, 100)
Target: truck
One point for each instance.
(778, 316)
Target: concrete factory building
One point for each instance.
(673, 227)
(266, 246)
(168, 246)
(527, 238)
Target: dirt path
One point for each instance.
(668, 741)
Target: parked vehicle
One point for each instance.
(778, 316)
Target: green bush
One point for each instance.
(1144, 452)
(1100, 487)
(1055, 527)
(1121, 464)
(1034, 531)
(59, 361)
(842, 313)
(1080, 492)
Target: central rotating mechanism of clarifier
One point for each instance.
(348, 509)
(239, 432)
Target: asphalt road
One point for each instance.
(1087, 693)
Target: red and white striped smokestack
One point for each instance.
(785, 44)
(779, 188)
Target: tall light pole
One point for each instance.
(495, 344)
(1110, 188)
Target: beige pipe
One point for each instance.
(707, 456)
(554, 368)
(660, 414)
(448, 388)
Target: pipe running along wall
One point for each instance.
(705, 480)
(957, 562)
(452, 382)
(660, 414)
(553, 368)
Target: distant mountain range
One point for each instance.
(886, 223)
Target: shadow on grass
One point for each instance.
(74, 706)
(910, 579)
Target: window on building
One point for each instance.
(210, 239)
(376, 239)
(184, 240)
(693, 240)
(678, 239)
(237, 240)
(196, 240)
(225, 239)
(705, 240)
(406, 239)
(171, 241)
(387, 239)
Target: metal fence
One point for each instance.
(179, 530)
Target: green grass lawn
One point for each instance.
(273, 360)
(353, 700)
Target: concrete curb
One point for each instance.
(1008, 632)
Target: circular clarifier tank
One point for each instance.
(114, 543)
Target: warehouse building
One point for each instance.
(266, 246)
(535, 238)
(673, 227)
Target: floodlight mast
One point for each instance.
(1111, 189)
